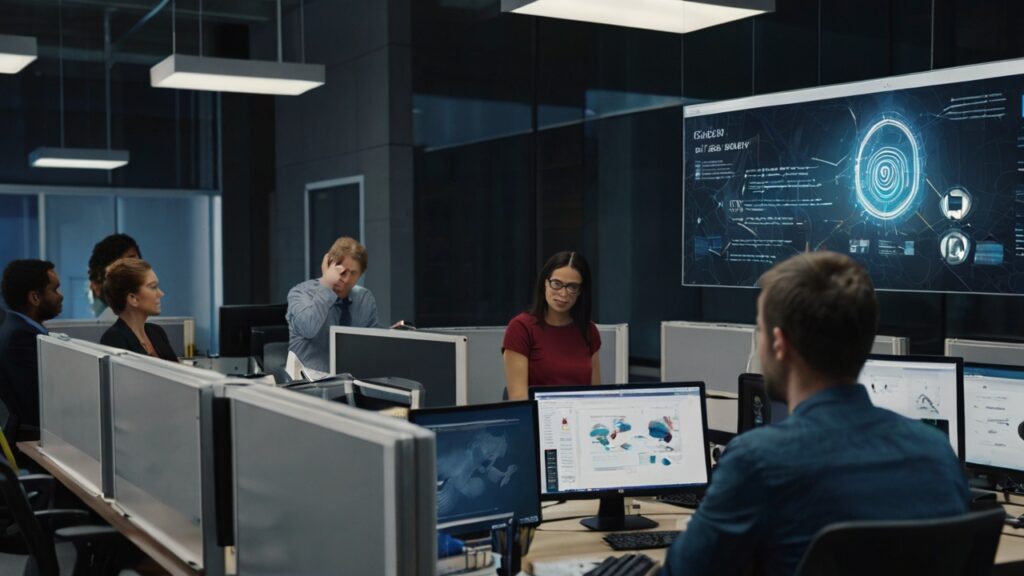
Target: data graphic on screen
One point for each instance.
(486, 464)
(920, 178)
(620, 439)
(925, 390)
(994, 416)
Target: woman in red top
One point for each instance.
(555, 343)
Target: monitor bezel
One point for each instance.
(963, 400)
(630, 491)
(934, 359)
(472, 526)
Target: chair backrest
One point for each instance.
(275, 356)
(42, 554)
(956, 546)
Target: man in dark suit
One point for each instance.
(31, 289)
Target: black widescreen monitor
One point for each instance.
(994, 418)
(925, 388)
(486, 465)
(756, 407)
(621, 440)
(437, 361)
(237, 322)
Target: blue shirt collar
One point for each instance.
(846, 393)
(42, 329)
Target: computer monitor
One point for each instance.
(621, 440)
(237, 321)
(437, 361)
(486, 465)
(756, 407)
(260, 336)
(925, 388)
(994, 418)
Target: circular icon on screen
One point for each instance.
(956, 203)
(954, 247)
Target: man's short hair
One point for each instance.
(825, 304)
(346, 247)
(22, 277)
(106, 251)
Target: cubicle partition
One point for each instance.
(74, 388)
(487, 368)
(715, 354)
(437, 361)
(161, 426)
(986, 351)
(323, 488)
(181, 331)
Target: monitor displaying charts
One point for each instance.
(631, 440)
(994, 416)
(926, 388)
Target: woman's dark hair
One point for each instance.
(580, 311)
(123, 277)
(106, 251)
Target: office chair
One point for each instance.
(39, 529)
(962, 545)
(275, 354)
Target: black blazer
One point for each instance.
(121, 336)
(19, 369)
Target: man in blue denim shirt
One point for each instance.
(334, 299)
(836, 457)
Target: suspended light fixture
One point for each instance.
(279, 78)
(87, 158)
(16, 52)
(679, 16)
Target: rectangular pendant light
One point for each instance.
(16, 52)
(232, 75)
(679, 16)
(87, 158)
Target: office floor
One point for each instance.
(15, 565)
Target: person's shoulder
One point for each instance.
(360, 293)
(524, 319)
(153, 328)
(305, 286)
(113, 336)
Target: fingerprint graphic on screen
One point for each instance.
(888, 169)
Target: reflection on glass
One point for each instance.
(19, 227)
(74, 224)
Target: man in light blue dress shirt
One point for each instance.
(334, 299)
(836, 457)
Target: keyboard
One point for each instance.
(628, 565)
(688, 500)
(641, 540)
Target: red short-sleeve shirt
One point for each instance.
(558, 355)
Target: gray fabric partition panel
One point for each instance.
(715, 354)
(180, 330)
(486, 381)
(986, 352)
(70, 412)
(343, 491)
(162, 454)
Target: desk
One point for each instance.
(149, 546)
(561, 537)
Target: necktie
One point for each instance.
(346, 314)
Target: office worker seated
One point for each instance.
(555, 342)
(333, 299)
(837, 457)
(132, 290)
(105, 253)
(31, 290)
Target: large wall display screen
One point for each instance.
(919, 177)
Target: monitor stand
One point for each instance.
(611, 516)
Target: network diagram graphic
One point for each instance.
(924, 186)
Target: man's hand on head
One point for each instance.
(330, 272)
